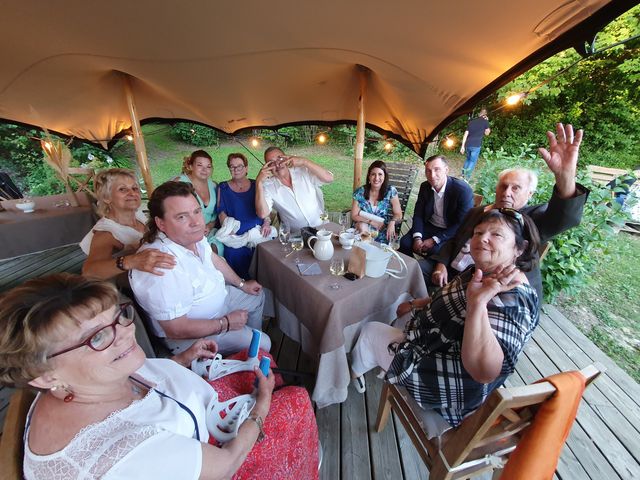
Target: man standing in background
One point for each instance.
(472, 141)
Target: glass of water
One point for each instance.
(296, 244)
(343, 220)
(336, 267)
(394, 243)
(283, 235)
(324, 216)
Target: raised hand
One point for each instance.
(482, 289)
(562, 157)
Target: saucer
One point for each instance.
(28, 211)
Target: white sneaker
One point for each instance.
(359, 384)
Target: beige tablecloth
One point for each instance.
(47, 227)
(327, 322)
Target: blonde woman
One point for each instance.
(112, 242)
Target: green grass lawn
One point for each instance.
(607, 310)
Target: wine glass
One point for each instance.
(336, 267)
(394, 243)
(296, 244)
(283, 235)
(324, 216)
(343, 220)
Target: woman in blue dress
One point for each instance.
(378, 198)
(196, 170)
(236, 198)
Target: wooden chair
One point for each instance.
(83, 180)
(491, 431)
(11, 446)
(477, 199)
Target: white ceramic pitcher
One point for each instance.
(323, 249)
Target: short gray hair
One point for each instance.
(530, 174)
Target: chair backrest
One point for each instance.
(603, 175)
(82, 179)
(11, 444)
(477, 199)
(402, 176)
(494, 429)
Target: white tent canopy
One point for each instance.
(237, 65)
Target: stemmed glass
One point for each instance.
(394, 243)
(373, 231)
(296, 244)
(324, 216)
(343, 220)
(336, 267)
(283, 235)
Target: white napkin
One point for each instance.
(309, 269)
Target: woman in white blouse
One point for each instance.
(112, 242)
(103, 410)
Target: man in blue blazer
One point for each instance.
(442, 204)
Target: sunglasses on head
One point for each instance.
(510, 212)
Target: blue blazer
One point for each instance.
(458, 200)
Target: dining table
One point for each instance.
(54, 222)
(325, 312)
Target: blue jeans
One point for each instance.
(470, 162)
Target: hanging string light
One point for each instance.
(449, 142)
(388, 145)
(255, 142)
(322, 138)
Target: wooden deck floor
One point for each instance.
(604, 442)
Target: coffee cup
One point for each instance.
(346, 240)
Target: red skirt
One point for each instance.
(290, 446)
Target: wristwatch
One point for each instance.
(241, 284)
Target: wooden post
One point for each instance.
(360, 126)
(138, 139)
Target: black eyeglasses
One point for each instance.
(236, 167)
(510, 212)
(104, 338)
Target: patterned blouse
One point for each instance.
(429, 362)
(383, 208)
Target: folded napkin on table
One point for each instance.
(309, 269)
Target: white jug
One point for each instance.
(378, 260)
(323, 247)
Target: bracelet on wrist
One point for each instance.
(221, 326)
(227, 329)
(120, 263)
(260, 424)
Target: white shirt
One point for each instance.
(128, 236)
(151, 438)
(300, 207)
(194, 287)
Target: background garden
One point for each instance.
(590, 272)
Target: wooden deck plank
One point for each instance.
(328, 420)
(385, 458)
(622, 378)
(596, 398)
(354, 442)
(591, 441)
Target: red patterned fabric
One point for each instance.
(290, 446)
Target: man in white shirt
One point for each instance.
(291, 185)
(202, 297)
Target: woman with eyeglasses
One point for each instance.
(464, 341)
(105, 411)
(237, 199)
(112, 242)
(197, 169)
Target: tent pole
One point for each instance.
(359, 150)
(138, 139)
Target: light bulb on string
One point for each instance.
(514, 99)
(388, 146)
(322, 138)
(255, 143)
(129, 137)
(449, 142)
(47, 146)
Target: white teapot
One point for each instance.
(323, 247)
